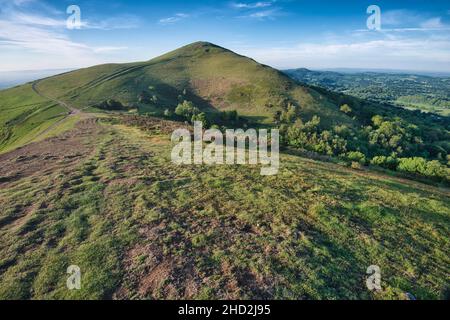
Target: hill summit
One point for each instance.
(212, 77)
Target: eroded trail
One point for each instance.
(71, 111)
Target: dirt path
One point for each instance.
(71, 110)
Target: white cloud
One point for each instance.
(255, 5)
(174, 19)
(113, 23)
(108, 49)
(263, 15)
(30, 19)
(434, 23)
(400, 17)
(407, 20)
(417, 54)
(18, 2)
(32, 41)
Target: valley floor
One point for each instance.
(104, 196)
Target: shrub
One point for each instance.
(168, 113)
(186, 110)
(111, 104)
(356, 156)
(346, 109)
(228, 116)
(356, 165)
(200, 117)
(385, 162)
(432, 169)
(412, 165)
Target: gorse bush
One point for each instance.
(346, 109)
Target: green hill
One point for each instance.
(212, 77)
(215, 79)
(105, 196)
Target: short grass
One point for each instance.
(140, 227)
(212, 77)
(24, 115)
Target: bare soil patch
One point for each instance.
(63, 151)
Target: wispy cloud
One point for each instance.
(124, 21)
(401, 21)
(45, 35)
(30, 19)
(263, 10)
(255, 5)
(108, 49)
(174, 19)
(398, 53)
(263, 15)
(433, 23)
(400, 17)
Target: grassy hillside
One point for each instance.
(107, 198)
(100, 191)
(216, 79)
(24, 115)
(212, 77)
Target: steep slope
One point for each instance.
(212, 77)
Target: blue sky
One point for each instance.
(319, 34)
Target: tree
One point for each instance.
(356, 156)
(289, 115)
(418, 165)
(377, 120)
(186, 110)
(345, 108)
(167, 113)
(231, 115)
(200, 117)
(277, 116)
(385, 162)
